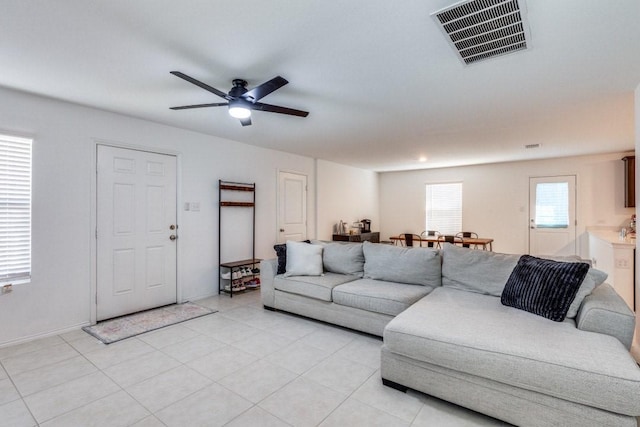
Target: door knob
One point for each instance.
(172, 227)
(282, 230)
(173, 237)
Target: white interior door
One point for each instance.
(292, 207)
(136, 219)
(552, 217)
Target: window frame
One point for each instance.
(16, 208)
(445, 230)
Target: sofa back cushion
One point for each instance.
(342, 257)
(487, 272)
(472, 270)
(414, 266)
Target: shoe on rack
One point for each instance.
(227, 288)
(226, 275)
(255, 271)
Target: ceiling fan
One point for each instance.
(240, 100)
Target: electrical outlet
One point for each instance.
(622, 263)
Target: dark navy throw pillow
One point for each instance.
(544, 287)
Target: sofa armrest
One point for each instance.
(268, 270)
(604, 311)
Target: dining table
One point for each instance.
(485, 242)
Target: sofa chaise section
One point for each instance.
(465, 347)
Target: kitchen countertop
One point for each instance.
(614, 238)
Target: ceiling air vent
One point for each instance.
(483, 29)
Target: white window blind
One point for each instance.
(552, 205)
(15, 209)
(444, 207)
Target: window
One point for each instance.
(15, 209)
(552, 205)
(444, 207)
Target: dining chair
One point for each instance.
(448, 238)
(430, 233)
(467, 234)
(409, 238)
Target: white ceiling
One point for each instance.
(381, 83)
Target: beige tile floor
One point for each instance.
(242, 366)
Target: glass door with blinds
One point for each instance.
(552, 220)
(15, 210)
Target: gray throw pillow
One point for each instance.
(303, 259)
(594, 278)
(472, 270)
(415, 266)
(342, 257)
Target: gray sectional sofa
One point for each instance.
(447, 333)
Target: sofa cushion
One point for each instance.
(342, 257)
(487, 272)
(379, 296)
(303, 259)
(416, 266)
(472, 270)
(544, 287)
(318, 287)
(476, 334)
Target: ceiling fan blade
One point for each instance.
(185, 107)
(277, 109)
(246, 122)
(202, 85)
(266, 88)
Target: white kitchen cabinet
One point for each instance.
(616, 257)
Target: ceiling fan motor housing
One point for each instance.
(239, 88)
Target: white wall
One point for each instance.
(345, 193)
(64, 134)
(496, 197)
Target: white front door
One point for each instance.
(136, 219)
(552, 218)
(292, 207)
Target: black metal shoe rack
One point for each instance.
(224, 189)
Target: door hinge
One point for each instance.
(96, 232)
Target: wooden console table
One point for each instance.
(373, 237)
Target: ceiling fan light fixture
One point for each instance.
(239, 111)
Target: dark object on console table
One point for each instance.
(373, 237)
